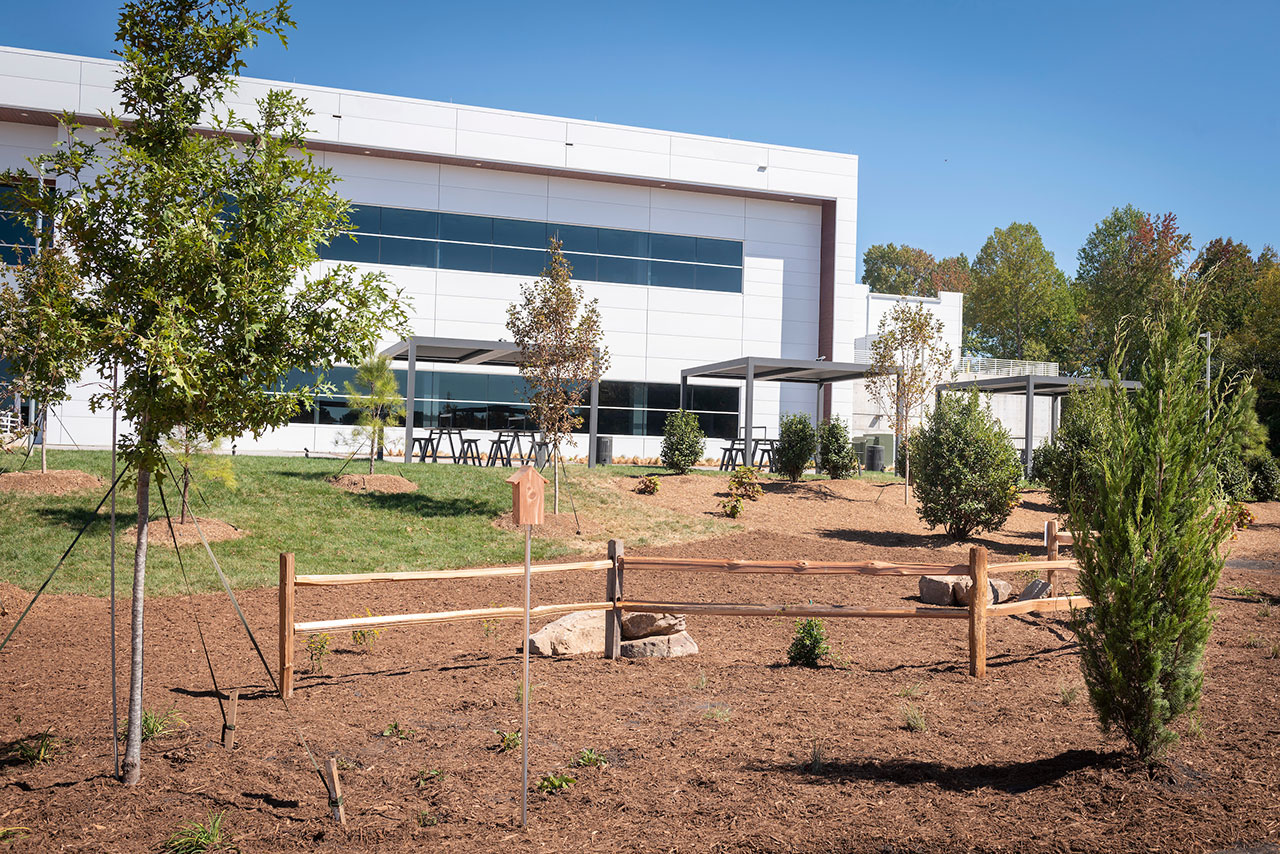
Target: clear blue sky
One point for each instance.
(966, 115)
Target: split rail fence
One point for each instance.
(615, 603)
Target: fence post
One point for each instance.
(980, 596)
(335, 789)
(286, 624)
(613, 593)
(1051, 540)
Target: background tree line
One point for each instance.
(1019, 304)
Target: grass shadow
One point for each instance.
(420, 504)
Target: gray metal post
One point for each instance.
(817, 425)
(411, 404)
(1030, 424)
(593, 424)
(684, 392)
(748, 415)
(1055, 413)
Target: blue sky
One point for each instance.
(965, 116)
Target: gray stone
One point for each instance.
(942, 589)
(660, 646)
(572, 634)
(1000, 590)
(1037, 589)
(636, 624)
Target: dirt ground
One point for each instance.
(728, 750)
(52, 482)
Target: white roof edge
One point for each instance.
(455, 105)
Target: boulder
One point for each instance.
(1000, 589)
(572, 634)
(640, 625)
(660, 646)
(1037, 589)
(943, 589)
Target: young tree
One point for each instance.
(198, 463)
(562, 351)
(908, 360)
(682, 441)
(381, 405)
(194, 243)
(1020, 305)
(41, 337)
(1149, 540)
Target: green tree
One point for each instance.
(562, 351)
(1020, 305)
(682, 441)
(836, 454)
(376, 394)
(195, 244)
(1065, 464)
(1149, 542)
(891, 269)
(198, 462)
(797, 443)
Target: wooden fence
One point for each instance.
(615, 603)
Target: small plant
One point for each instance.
(732, 506)
(156, 724)
(588, 758)
(490, 627)
(41, 748)
(317, 649)
(682, 440)
(1246, 592)
(426, 818)
(745, 483)
(13, 834)
(1195, 727)
(555, 783)
(507, 740)
(364, 638)
(346, 764)
(796, 446)
(1274, 652)
(719, 713)
(815, 763)
(394, 730)
(910, 691)
(809, 644)
(835, 449)
(1253, 642)
(426, 778)
(913, 718)
(1067, 696)
(700, 683)
(199, 838)
(1264, 612)
(648, 485)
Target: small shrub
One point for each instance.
(155, 724)
(317, 649)
(490, 627)
(200, 838)
(1253, 642)
(965, 468)
(1265, 472)
(507, 740)
(809, 644)
(745, 483)
(364, 638)
(426, 818)
(816, 760)
(835, 449)
(648, 485)
(719, 713)
(588, 758)
(700, 683)
(682, 440)
(1274, 652)
(40, 749)
(1068, 695)
(732, 506)
(1063, 465)
(1264, 612)
(394, 730)
(796, 446)
(1234, 478)
(910, 691)
(555, 783)
(427, 778)
(913, 718)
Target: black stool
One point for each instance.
(470, 452)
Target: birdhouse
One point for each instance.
(527, 487)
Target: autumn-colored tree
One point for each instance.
(908, 360)
(561, 351)
(952, 274)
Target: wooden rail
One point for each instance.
(394, 621)
(340, 579)
(795, 567)
(1039, 606)
(766, 610)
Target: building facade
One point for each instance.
(698, 250)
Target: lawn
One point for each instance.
(285, 504)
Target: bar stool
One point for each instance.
(500, 449)
(470, 452)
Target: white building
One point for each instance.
(698, 249)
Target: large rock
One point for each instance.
(1037, 589)
(636, 624)
(660, 646)
(1000, 590)
(943, 589)
(572, 634)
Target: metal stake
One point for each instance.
(524, 728)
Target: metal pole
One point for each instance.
(593, 424)
(411, 403)
(524, 728)
(115, 711)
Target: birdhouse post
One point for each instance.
(527, 488)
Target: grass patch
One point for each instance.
(200, 837)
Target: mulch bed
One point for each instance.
(360, 483)
(728, 750)
(52, 482)
(187, 533)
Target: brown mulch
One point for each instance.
(373, 483)
(727, 750)
(52, 482)
(561, 526)
(188, 534)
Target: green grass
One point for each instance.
(285, 505)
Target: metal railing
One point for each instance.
(985, 365)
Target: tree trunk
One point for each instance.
(373, 448)
(44, 440)
(555, 469)
(186, 486)
(131, 767)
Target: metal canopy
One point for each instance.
(1033, 386)
(749, 369)
(470, 351)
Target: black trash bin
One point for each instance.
(875, 458)
(604, 450)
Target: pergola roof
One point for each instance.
(455, 351)
(780, 370)
(1040, 386)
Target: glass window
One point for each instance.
(507, 389)
(625, 271)
(669, 274)
(336, 412)
(612, 241)
(515, 232)
(366, 218)
(469, 229)
(576, 238)
(408, 253)
(519, 262)
(718, 278)
(410, 223)
(663, 396)
(584, 266)
(347, 247)
(718, 425)
(465, 256)
(454, 386)
(614, 393)
(713, 398)
(674, 247)
(711, 251)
